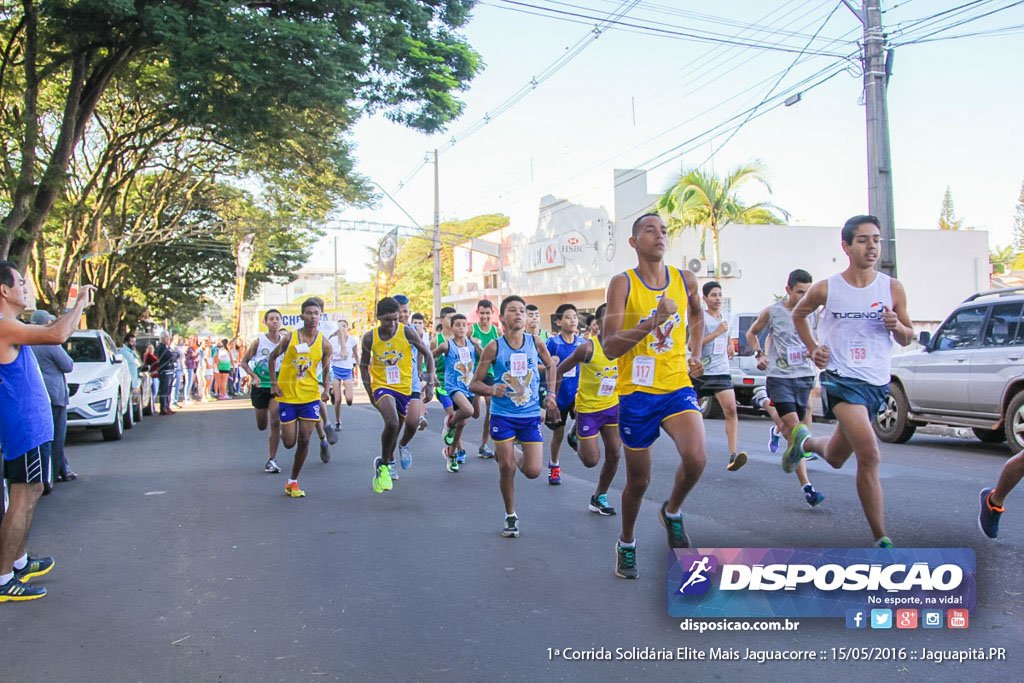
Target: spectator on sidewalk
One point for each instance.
(191, 360)
(166, 358)
(54, 362)
(131, 360)
(26, 424)
(150, 360)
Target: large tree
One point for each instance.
(279, 82)
(705, 202)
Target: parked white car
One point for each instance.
(100, 385)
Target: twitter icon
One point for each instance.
(881, 618)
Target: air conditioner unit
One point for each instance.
(730, 269)
(697, 266)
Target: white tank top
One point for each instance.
(851, 326)
(259, 361)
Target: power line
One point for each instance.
(772, 89)
(960, 23)
(655, 29)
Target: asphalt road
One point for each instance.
(178, 559)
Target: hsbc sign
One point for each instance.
(556, 252)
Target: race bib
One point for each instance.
(302, 348)
(392, 375)
(571, 373)
(464, 356)
(718, 348)
(517, 364)
(607, 387)
(795, 355)
(857, 352)
(643, 371)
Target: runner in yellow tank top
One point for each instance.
(385, 366)
(644, 329)
(293, 380)
(597, 412)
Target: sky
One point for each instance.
(955, 109)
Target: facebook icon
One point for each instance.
(856, 618)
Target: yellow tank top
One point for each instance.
(391, 367)
(597, 382)
(297, 376)
(657, 365)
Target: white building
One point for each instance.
(573, 251)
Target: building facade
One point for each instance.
(573, 251)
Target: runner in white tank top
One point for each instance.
(864, 311)
(254, 363)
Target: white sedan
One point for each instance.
(100, 385)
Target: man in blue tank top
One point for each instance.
(515, 401)
(26, 423)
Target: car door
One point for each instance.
(998, 360)
(942, 375)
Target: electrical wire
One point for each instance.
(961, 22)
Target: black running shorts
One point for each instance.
(26, 468)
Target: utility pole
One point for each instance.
(877, 69)
(437, 245)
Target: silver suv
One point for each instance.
(969, 374)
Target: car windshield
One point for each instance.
(743, 348)
(85, 349)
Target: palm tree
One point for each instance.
(705, 202)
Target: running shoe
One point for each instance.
(293, 490)
(884, 542)
(988, 520)
(736, 461)
(381, 476)
(573, 439)
(449, 434)
(422, 423)
(16, 590)
(812, 496)
(511, 529)
(599, 504)
(677, 537)
(405, 456)
(271, 467)
(795, 451)
(37, 566)
(485, 453)
(393, 470)
(451, 461)
(325, 452)
(331, 433)
(625, 562)
(774, 436)
(760, 398)
(460, 456)
(337, 426)
(554, 475)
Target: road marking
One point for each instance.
(154, 493)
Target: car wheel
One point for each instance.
(116, 430)
(129, 416)
(1013, 424)
(137, 410)
(990, 435)
(709, 408)
(892, 425)
(148, 408)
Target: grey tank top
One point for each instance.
(786, 353)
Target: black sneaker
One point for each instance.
(677, 537)
(988, 520)
(16, 590)
(599, 504)
(511, 529)
(625, 562)
(325, 452)
(37, 566)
